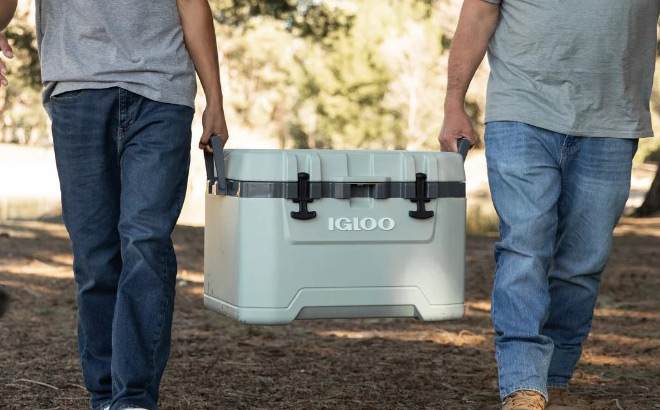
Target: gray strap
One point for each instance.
(342, 190)
(215, 165)
(217, 158)
(463, 147)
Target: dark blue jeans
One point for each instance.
(123, 164)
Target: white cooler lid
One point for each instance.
(342, 165)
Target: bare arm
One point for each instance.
(476, 26)
(7, 10)
(199, 35)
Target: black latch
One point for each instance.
(420, 199)
(303, 198)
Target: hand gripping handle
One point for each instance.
(215, 164)
(463, 147)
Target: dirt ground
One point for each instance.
(343, 364)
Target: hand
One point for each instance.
(457, 125)
(5, 50)
(213, 122)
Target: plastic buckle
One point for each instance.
(303, 199)
(421, 199)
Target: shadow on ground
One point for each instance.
(344, 364)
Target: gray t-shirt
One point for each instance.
(134, 44)
(578, 67)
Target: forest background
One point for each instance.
(331, 74)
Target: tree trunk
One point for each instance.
(4, 302)
(651, 203)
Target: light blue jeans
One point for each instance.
(558, 198)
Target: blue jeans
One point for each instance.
(123, 164)
(559, 198)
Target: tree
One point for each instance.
(313, 73)
(372, 83)
(305, 18)
(651, 204)
(415, 54)
(22, 118)
(345, 80)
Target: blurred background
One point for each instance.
(364, 74)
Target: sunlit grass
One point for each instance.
(439, 336)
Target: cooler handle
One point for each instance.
(361, 180)
(215, 163)
(463, 147)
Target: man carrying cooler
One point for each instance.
(568, 99)
(120, 86)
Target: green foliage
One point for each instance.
(312, 73)
(304, 18)
(263, 71)
(22, 118)
(25, 66)
(648, 151)
(649, 148)
(366, 85)
(346, 79)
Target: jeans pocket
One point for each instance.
(68, 96)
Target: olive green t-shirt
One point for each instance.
(577, 67)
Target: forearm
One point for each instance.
(7, 10)
(476, 25)
(199, 35)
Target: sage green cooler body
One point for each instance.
(313, 234)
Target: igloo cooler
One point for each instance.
(322, 234)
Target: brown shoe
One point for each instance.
(524, 400)
(559, 400)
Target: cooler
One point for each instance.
(322, 234)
